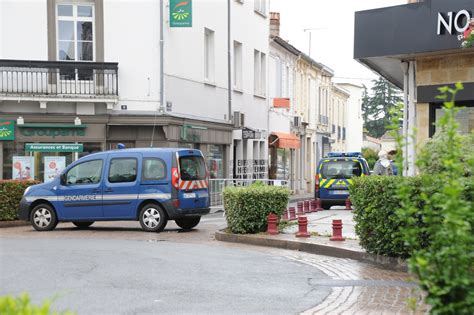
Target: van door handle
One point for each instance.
(109, 190)
(95, 190)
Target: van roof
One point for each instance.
(142, 150)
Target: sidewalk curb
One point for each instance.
(319, 249)
(7, 224)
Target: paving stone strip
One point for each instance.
(360, 288)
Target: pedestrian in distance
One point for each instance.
(383, 166)
(391, 157)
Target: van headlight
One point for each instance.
(26, 190)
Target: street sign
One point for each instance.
(181, 13)
(54, 147)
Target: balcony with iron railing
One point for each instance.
(30, 79)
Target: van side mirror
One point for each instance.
(63, 179)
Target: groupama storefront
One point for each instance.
(420, 47)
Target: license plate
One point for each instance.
(339, 192)
(189, 195)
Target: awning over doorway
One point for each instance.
(285, 140)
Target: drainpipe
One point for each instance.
(409, 118)
(406, 138)
(162, 60)
(229, 62)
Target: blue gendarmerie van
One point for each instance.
(149, 185)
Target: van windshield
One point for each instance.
(341, 169)
(192, 168)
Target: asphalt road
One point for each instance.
(115, 268)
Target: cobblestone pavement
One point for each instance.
(359, 288)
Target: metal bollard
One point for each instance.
(302, 227)
(306, 206)
(348, 204)
(337, 231)
(318, 205)
(312, 206)
(292, 214)
(299, 206)
(285, 215)
(272, 228)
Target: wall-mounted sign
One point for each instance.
(181, 13)
(453, 21)
(250, 134)
(23, 167)
(52, 130)
(53, 165)
(7, 129)
(54, 147)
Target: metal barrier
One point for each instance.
(216, 187)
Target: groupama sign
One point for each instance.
(7, 129)
(181, 13)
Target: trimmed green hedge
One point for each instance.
(11, 192)
(247, 208)
(375, 202)
(16, 305)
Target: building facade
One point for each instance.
(81, 80)
(354, 122)
(338, 118)
(284, 143)
(420, 55)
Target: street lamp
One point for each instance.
(309, 31)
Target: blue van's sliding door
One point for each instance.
(121, 185)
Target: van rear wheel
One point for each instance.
(83, 224)
(43, 217)
(188, 223)
(152, 218)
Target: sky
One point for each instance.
(333, 37)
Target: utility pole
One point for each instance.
(309, 31)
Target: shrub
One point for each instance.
(444, 267)
(247, 208)
(10, 305)
(433, 153)
(11, 192)
(371, 156)
(375, 201)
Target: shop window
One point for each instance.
(214, 160)
(123, 170)
(153, 169)
(85, 173)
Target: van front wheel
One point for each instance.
(43, 218)
(188, 223)
(152, 218)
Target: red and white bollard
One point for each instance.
(306, 206)
(302, 227)
(292, 214)
(299, 206)
(284, 217)
(348, 204)
(337, 231)
(312, 206)
(272, 221)
(318, 205)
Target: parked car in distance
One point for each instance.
(150, 185)
(334, 174)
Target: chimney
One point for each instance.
(274, 24)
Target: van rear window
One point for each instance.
(192, 168)
(341, 169)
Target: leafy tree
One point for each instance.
(377, 107)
